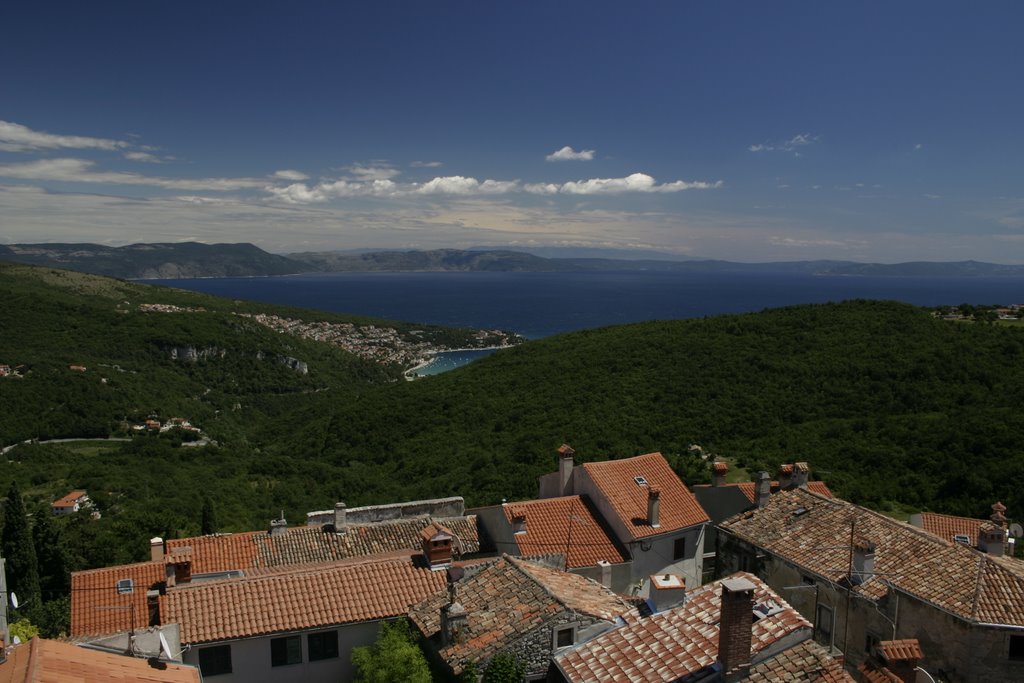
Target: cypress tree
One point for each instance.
(17, 548)
(51, 557)
(208, 523)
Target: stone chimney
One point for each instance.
(992, 539)
(339, 518)
(606, 573)
(454, 619)
(863, 562)
(999, 515)
(901, 657)
(278, 526)
(565, 465)
(718, 471)
(156, 549)
(764, 489)
(654, 506)
(786, 477)
(800, 473)
(667, 591)
(734, 627)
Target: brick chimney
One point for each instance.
(606, 573)
(339, 518)
(667, 591)
(863, 562)
(764, 489)
(992, 539)
(718, 471)
(437, 546)
(654, 506)
(178, 566)
(734, 627)
(901, 657)
(156, 549)
(565, 465)
(800, 473)
(786, 477)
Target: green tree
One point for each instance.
(17, 548)
(208, 523)
(23, 630)
(394, 657)
(51, 557)
(504, 668)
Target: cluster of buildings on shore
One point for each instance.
(615, 572)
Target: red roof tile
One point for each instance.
(673, 644)
(948, 526)
(69, 500)
(901, 650)
(50, 661)
(98, 608)
(616, 480)
(807, 661)
(564, 525)
(749, 488)
(297, 600)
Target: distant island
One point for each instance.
(182, 260)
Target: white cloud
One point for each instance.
(372, 172)
(918, 146)
(636, 182)
(426, 164)
(15, 137)
(145, 157)
(290, 174)
(72, 170)
(792, 145)
(567, 153)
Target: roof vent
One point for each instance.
(800, 511)
(640, 481)
(125, 587)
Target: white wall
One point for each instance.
(250, 658)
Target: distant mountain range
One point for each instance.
(191, 260)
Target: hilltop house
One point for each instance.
(514, 606)
(967, 530)
(864, 578)
(648, 510)
(71, 503)
(732, 629)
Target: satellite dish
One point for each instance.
(17, 640)
(14, 600)
(165, 647)
(1016, 530)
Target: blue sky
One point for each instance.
(869, 131)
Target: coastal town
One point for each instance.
(616, 571)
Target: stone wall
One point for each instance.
(437, 507)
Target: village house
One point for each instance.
(649, 511)
(71, 503)
(51, 661)
(966, 530)
(733, 629)
(863, 578)
(515, 606)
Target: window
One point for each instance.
(322, 645)
(679, 549)
(871, 641)
(823, 626)
(214, 661)
(285, 651)
(565, 637)
(1017, 648)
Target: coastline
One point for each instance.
(410, 373)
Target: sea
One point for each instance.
(538, 305)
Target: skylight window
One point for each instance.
(125, 586)
(640, 481)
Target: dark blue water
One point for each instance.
(540, 304)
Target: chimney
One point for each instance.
(764, 489)
(735, 627)
(999, 514)
(156, 549)
(654, 506)
(901, 657)
(339, 518)
(667, 591)
(278, 526)
(437, 546)
(718, 471)
(785, 477)
(800, 472)
(518, 523)
(992, 539)
(565, 464)
(863, 562)
(606, 573)
(454, 618)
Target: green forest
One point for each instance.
(893, 407)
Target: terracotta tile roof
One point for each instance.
(874, 674)
(508, 599)
(807, 661)
(948, 526)
(560, 524)
(300, 545)
(51, 661)
(96, 606)
(673, 644)
(68, 500)
(901, 650)
(297, 600)
(813, 532)
(616, 480)
(749, 489)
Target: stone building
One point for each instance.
(863, 578)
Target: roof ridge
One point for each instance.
(979, 581)
(516, 563)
